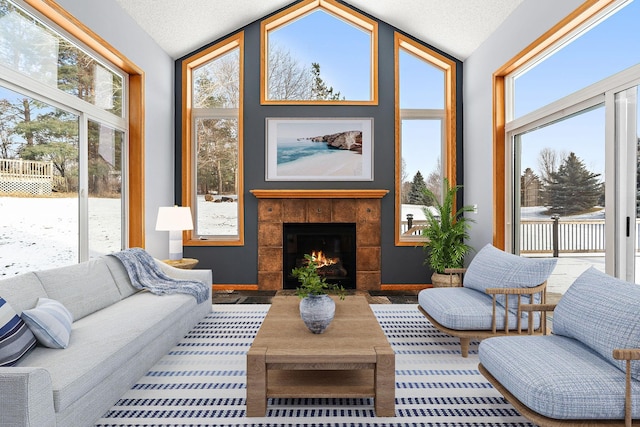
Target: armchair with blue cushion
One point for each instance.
(496, 291)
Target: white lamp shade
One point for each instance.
(174, 218)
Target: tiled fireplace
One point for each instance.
(279, 207)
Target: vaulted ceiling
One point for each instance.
(457, 27)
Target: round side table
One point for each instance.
(184, 263)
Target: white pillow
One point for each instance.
(50, 322)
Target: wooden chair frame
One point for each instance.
(627, 355)
(466, 336)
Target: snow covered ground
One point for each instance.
(41, 233)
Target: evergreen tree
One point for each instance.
(417, 191)
(572, 188)
(319, 90)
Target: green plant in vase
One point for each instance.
(317, 309)
(446, 233)
(310, 281)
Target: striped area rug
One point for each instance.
(201, 382)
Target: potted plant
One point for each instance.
(316, 307)
(446, 232)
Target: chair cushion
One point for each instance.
(493, 268)
(558, 377)
(50, 322)
(603, 313)
(16, 339)
(465, 309)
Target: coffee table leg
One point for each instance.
(385, 382)
(256, 382)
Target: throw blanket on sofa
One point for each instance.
(146, 274)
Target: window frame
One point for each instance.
(189, 154)
(448, 117)
(133, 103)
(502, 106)
(335, 9)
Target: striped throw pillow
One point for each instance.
(50, 322)
(16, 339)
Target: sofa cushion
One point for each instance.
(83, 288)
(22, 291)
(16, 339)
(133, 324)
(493, 268)
(465, 309)
(50, 322)
(602, 312)
(557, 377)
(120, 276)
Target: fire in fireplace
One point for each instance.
(333, 246)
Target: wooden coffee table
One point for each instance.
(352, 358)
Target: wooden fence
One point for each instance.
(27, 176)
(537, 236)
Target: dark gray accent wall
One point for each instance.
(238, 265)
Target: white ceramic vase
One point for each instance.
(317, 312)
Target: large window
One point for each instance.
(425, 137)
(212, 144)
(570, 145)
(64, 145)
(319, 51)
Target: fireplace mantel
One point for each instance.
(319, 194)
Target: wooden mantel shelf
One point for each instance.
(319, 194)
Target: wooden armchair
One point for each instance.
(499, 316)
(495, 287)
(626, 354)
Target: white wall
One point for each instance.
(528, 22)
(107, 19)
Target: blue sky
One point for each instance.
(612, 46)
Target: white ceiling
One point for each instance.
(457, 27)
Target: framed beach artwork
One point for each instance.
(324, 149)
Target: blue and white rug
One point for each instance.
(201, 382)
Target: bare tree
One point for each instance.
(287, 77)
(434, 180)
(548, 163)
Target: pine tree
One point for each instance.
(319, 90)
(572, 188)
(417, 193)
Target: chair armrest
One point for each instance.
(627, 354)
(519, 292)
(537, 307)
(26, 397)
(516, 291)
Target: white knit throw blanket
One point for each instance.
(146, 274)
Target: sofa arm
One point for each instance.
(203, 275)
(26, 397)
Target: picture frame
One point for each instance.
(319, 149)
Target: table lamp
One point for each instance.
(174, 219)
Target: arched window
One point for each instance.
(319, 52)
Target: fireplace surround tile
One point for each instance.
(276, 207)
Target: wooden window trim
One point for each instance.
(578, 17)
(188, 187)
(336, 9)
(448, 66)
(135, 193)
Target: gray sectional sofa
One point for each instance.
(118, 333)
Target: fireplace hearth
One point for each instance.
(333, 246)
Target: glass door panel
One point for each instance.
(560, 203)
(38, 185)
(105, 189)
